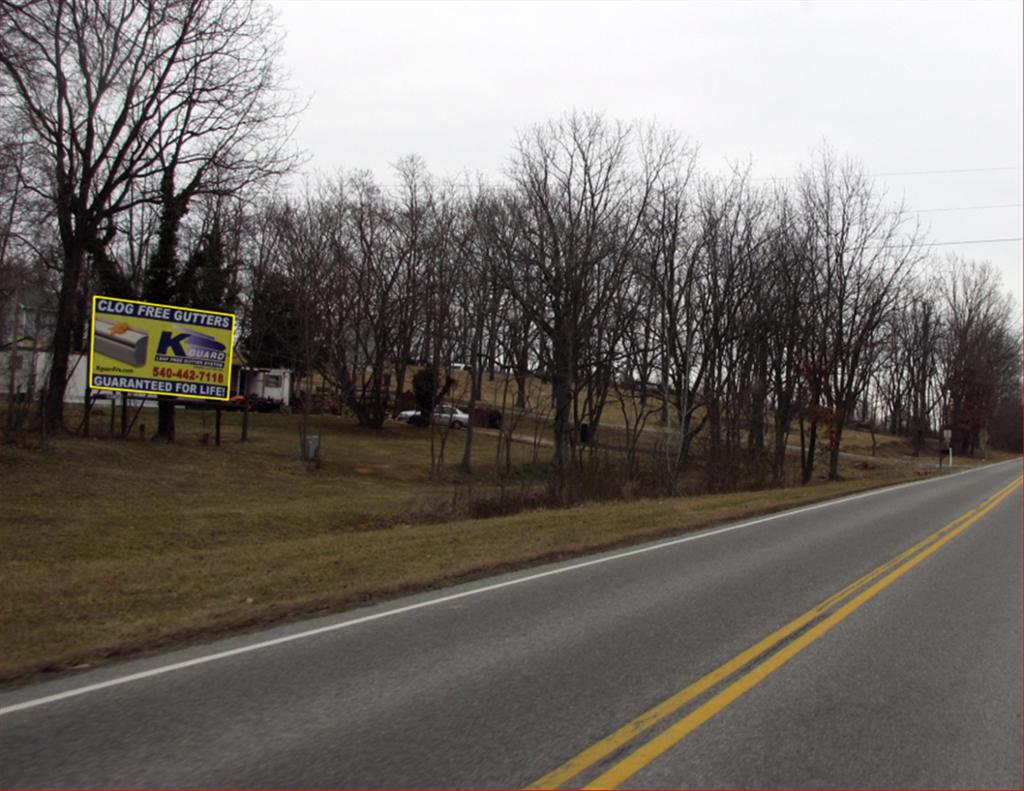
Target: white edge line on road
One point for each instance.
(201, 660)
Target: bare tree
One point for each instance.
(24, 277)
(480, 295)
(637, 367)
(126, 98)
(730, 250)
(363, 308)
(513, 332)
(786, 311)
(670, 252)
(980, 353)
(267, 324)
(922, 342)
(411, 219)
(582, 186)
(907, 374)
(892, 375)
(304, 235)
(862, 253)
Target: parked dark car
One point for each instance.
(486, 416)
(253, 403)
(261, 404)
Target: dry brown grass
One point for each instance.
(111, 547)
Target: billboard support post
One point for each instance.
(88, 411)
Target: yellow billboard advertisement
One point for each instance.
(142, 347)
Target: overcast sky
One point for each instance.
(903, 87)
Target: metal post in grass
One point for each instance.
(142, 429)
(12, 390)
(244, 389)
(43, 427)
(124, 415)
(88, 411)
(216, 432)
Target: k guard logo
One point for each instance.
(186, 346)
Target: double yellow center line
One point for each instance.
(759, 661)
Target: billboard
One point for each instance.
(142, 347)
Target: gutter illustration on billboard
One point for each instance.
(121, 342)
(143, 347)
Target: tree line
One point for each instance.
(751, 317)
(738, 319)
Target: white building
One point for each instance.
(273, 383)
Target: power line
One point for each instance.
(975, 241)
(954, 170)
(966, 208)
(944, 244)
(909, 172)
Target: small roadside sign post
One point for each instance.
(947, 437)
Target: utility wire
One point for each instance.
(944, 244)
(976, 241)
(956, 170)
(465, 185)
(907, 173)
(966, 208)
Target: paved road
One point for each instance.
(863, 643)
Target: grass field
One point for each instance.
(112, 547)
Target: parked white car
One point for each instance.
(443, 415)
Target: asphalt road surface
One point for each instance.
(874, 641)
